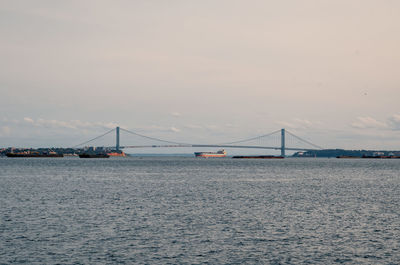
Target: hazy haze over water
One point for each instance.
(200, 71)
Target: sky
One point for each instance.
(200, 71)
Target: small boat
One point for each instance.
(94, 156)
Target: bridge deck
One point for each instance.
(220, 146)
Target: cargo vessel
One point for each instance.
(34, 154)
(220, 153)
(116, 153)
(94, 155)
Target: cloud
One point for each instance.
(369, 123)
(298, 123)
(394, 122)
(77, 125)
(205, 127)
(176, 114)
(158, 128)
(29, 120)
(230, 125)
(303, 123)
(73, 124)
(174, 129)
(5, 130)
(193, 126)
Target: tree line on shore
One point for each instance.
(343, 153)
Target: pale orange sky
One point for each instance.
(201, 70)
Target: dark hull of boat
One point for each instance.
(94, 156)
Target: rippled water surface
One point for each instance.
(193, 211)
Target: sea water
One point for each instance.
(183, 210)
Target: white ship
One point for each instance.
(220, 153)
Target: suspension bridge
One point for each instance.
(282, 140)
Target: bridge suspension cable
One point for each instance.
(251, 139)
(104, 134)
(229, 144)
(152, 138)
(303, 140)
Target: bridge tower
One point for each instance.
(283, 143)
(117, 138)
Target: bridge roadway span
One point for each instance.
(219, 146)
